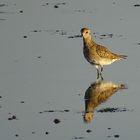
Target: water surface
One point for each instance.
(44, 76)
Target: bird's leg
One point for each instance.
(101, 72)
(98, 71)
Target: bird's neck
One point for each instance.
(88, 42)
(90, 106)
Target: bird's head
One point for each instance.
(86, 33)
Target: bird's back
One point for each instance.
(99, 54)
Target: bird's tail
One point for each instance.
(123, 56)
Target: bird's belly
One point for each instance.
(105, 61)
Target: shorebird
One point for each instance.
(97, 54)
(97, 93)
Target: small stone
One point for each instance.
(17, 135)
(57, 31)
(39, 57)
(66, 110)
(56, 6)
(56, 121)
(21, 11)
(89, 131)
(46, 133)
(2, 5)
(51, 111)
(33, 132)
(14, 117)
(109, 128)
(116, 136)
(137, 5)
(22, 102)
(78, 137)
(24, 36)
(35, 31)
(9, 119)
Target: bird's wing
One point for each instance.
(104, 52)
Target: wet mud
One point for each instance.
(58, 81)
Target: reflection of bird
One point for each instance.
(97, 54)
(97, 93)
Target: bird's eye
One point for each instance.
(86, 32)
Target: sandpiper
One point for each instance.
(97, 54)
(97, 93)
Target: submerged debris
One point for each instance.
(51, 111)
(21, 11)
(61, 32)
(111, 110)
(78, 138)
(56, 121)
(3, 4)
(116, 136)
(55, 5)
(136, 5)
(13, 117)
(16, 135)
(46, 132)
(80, 11)
(36, 31)
(66, 110)
(108, 128)
(88, 131)
(25, 36)
(22, 102)
(3, 19)
(75, 36)
(39, 57)
(110, 35)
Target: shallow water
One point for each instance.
(44, 76)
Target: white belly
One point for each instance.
(106, 61)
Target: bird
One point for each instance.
(96, 54)
(97, 93)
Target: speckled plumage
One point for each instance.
(97, 93)
(97, 54)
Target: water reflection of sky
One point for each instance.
(42, 68)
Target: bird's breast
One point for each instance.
(88, 55)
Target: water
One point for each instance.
(44, 76)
